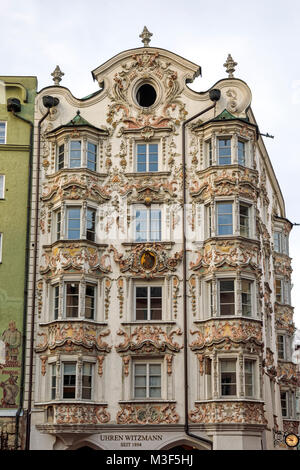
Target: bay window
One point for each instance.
(74, 295)
(244, 220)
(241, 152)
(233, 297)
(75, 154)
(73, 223)
(224, 218)
(71, 380)
(249, 378)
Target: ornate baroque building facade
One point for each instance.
(145, 332)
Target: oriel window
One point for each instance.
(91, 225)
(69, 380)
(72, 299)
(224, 216)
(224, 151)
(91, 156)
(228, 377)
(226, 297)
(75, 154)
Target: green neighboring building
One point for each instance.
(17, 95)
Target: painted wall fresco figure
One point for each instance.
(10, 391)
(12, 339)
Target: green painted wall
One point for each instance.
(14, 164)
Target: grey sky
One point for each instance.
(262, 36)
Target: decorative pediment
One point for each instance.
(148, 339)
(76, 187)
(66, 335)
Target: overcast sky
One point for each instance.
(261, 35)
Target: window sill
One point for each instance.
(73, 320)
(229, 317)
(167, 245)
(76, 170)
(229, 237)
(229, 399)
(79, 240)
(70, 401)
(142, 174)
(145, 400)
(149, 322)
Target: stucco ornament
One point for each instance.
(228, 412)
(67, 334)
(81, 414)
(147, 414)
(148, 339)
(147, 259)
(146, 66)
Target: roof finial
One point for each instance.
(230, 66)
(57, 74)
(146, 35)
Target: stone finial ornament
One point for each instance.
(57, 74)
(230, 66)
(146, 35)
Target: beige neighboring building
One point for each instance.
(140, 337)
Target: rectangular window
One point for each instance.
(281, 347)
(75, 154)
(146, 157)
(2, 132)
(279, 290)
(228, 377)
(249, 378)
(224, 151)
(209, 152)
(148, 302)
(58, 224)
(284, 404)
(244, 220)
(241, 152)
(2, 185)
(1, 241)
(69, 380)
(147, 380)
(53, 381)
(87, 377)
(56, 301)
(91, 156)
(148, 225)
(72, 299)
(61, 157)
(224, 216)
(73, 221)
(226, 297)
(90, 301)
(277, 241)
(246, 298)
(91, 225)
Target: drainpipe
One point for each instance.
(48, 102)
(214, 95)
(14, 106)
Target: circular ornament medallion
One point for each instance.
(148, 260)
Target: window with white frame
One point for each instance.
(224, 151)
(225, 222)
(1, 242)
(146, 157)
(147, 380)
(147, 225)
(208, 146)
(91, 224)
(74, 295)
(74, 157)
(2, 132)
(224, 218)
(60, 157)
(288, 404)
(91, 160)
(76, 382)
(58, 223)
(282, 291)
(2, 185)
(249, 374)
(148, 302)
(284, 404)
(231, 293)
(244, 220)
(281, 346)
(73, 223)
(228, 377)
(241, 152)
(280, 242)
